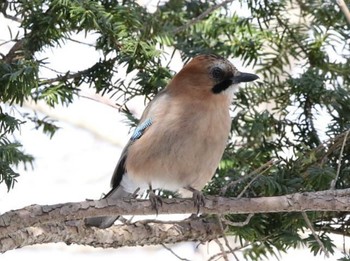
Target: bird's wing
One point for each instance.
(144, 124)
(120, 168)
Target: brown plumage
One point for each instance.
(188, 124)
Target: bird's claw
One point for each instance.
(156, 201)
(198, 200)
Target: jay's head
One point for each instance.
(209, 74)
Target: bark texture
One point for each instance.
(135, 234)
(64, 222)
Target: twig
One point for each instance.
(343, 7)
(51, 69)
(80, 42)
(68, 75)
(3, 11)
(246, 244)
(13, 18)
(334, 181)
(64, 77)
(218, 255)
(225, 238)
(329, 146)
(239, 224)
(344, 238)
(267, 165)
(201, 16)
(253, 179)
(100, 99)
(317, 238)
(250, 183)
(171, 251)
(15, 51)
(5, 42)
(222, 249)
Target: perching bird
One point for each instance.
(182, 133)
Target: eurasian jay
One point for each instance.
(182, 134)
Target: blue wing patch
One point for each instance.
(140, 129)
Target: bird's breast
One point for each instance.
(182, 148)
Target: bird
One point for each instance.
(181, 136)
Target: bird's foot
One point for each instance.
(156, 201)
(198, 198)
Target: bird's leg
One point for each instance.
(198, 198)
(156, 201)
(135, 194)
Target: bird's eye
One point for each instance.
(217, 73)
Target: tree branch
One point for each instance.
(3, 10)
(334, 181)
(344, 9)
(317, 238)
(16, 52)
(17, 225)
(201, 16)
(64, 77)
(139, 233)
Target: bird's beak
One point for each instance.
(244, 77)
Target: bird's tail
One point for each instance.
(104, 222)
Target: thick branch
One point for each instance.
(136, 234)
(330, 200)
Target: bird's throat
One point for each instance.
(222, 86)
